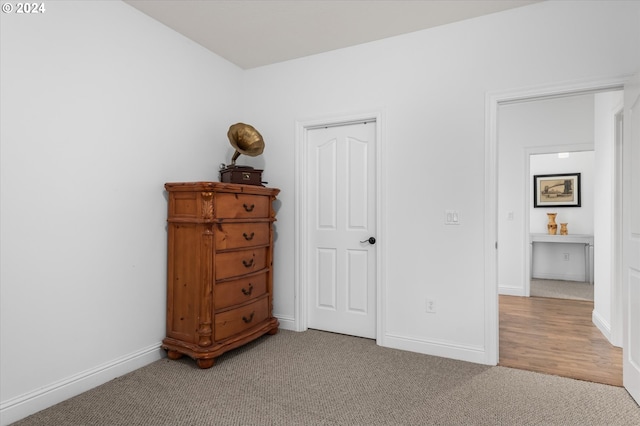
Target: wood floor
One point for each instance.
(556, 336)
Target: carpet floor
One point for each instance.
(320, 378)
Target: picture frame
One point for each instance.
(559, 190)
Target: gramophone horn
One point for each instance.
(246, 140)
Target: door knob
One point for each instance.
(371, 240)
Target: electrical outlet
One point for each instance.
(565, 256)
(431, 306)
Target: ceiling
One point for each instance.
(253, 33)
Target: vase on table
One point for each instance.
(563, 229)
(552, 226)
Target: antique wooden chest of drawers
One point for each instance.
(219, 273)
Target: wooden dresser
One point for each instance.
(219, 274)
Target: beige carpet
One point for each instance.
(319, 378)
(561, 289)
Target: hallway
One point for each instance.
(556, 336)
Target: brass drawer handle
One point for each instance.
(248, 292)
(248, 264)
(248, 320)
(248, 208)
(248, 237)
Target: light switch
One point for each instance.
(451, 217)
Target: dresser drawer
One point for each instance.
(238, 235)
(238, 263)
(237, 320)
(239, 291)
(240, 206)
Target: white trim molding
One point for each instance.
(603, 326)
(287, 323)
(444, 349)
(24, 405)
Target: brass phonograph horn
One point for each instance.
(246, 140)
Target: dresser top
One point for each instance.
(220, 187)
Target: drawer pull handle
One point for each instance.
(248, 208)
(248, 264)
(248, 237)
(248, 320)
(248, 292)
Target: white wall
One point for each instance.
(549, 258)
(100, 107)
(431, 87)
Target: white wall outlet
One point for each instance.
(451, 217)
(565, 256)
(431, 306)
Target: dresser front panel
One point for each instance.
(219, 268)
(238, 235)
(239, 291)
(238, 263)
(242, 206)
(185, 204)
(232, 322)
(186, 279)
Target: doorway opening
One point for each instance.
(519, 285)
(563, 270)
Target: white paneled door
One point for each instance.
(631, 238)
(342, 251)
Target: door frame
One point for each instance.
(301, 251)
(617, 301)
(492, 102)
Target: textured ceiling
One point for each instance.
(252, 33)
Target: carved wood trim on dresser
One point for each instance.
(219, 271)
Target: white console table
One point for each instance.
(586, 240)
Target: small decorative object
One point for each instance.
(563, 229)
(552, 226)
(562, 190)
(248, 141)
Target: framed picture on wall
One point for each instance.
(561, 190)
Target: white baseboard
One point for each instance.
(24, 405)
(511, 291)
(287, 323)
(437, 348)
(602, 325)
(560, 277)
